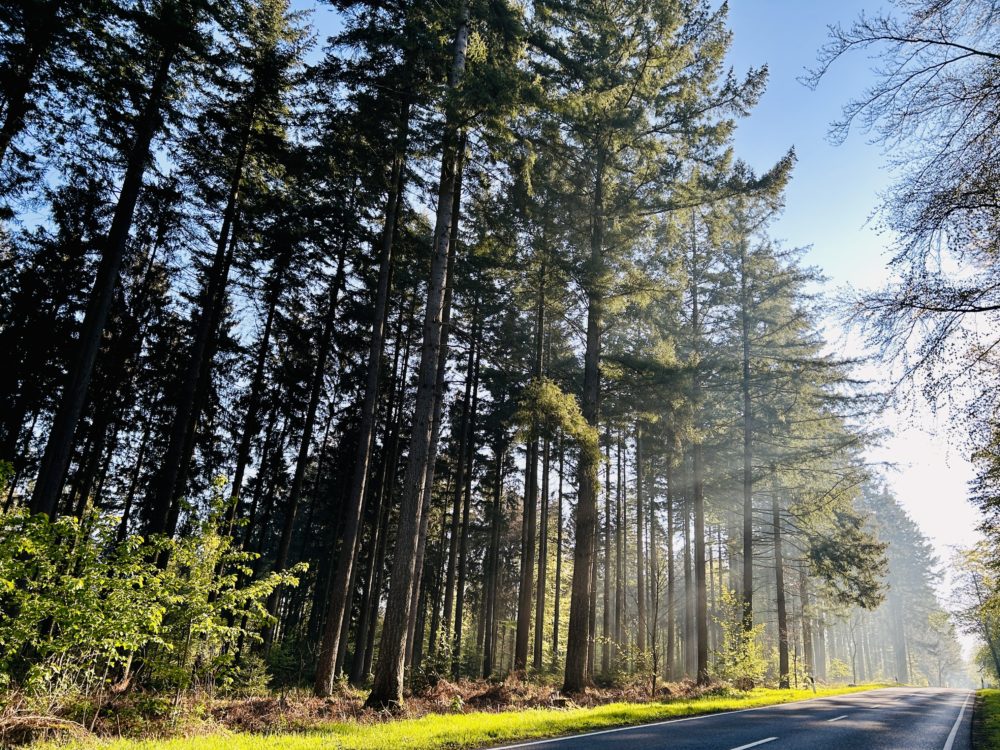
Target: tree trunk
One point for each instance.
(559, 547)
(808, 657)
(608, 634)
(459, 488)
(251, 419)
(747, 444)
(380, 496)
(697, 475)
(133, 485)
(435, 631)
(365, 638)
(305, 441)
(439, 404)
(620, 644)
(339, 588)
(388, 686)
(779, 581)
(671, 576)
(463, 556)
(640, 573)
(690, 640)
(170, 481)
(586, 513)
(55, 460)
(701, 602)
(592, 615)
(493, 569)
(543, 553)
(820, 649)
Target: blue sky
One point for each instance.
(833, 195)
(835, 188)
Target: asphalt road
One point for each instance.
(888, 719)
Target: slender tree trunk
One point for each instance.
(305, 441)
(380, 497)
(463, 556)
(489, 645)
(559, 548)
(527, 568)
(620, 638)
(747, 445)
(779, 581)
(170, 481)
(388, 686)
(456, 507)
(640, 573)
(586, 512)
(711, 565)
(698, 481)
(655, 581)
(820, 641)
(608, 634)
(432, 643)
(258, 482)
(369, 599)
(439, 387)
(366, 636)
(701, 601)
(543, 553)
(690, 642)
(339, 588)
(58, 448)
(808, 657)
(251, 420)
(133, 485)
(592, 615)
(529, 524)
(383, 496)
(899, 640)
(671, 577)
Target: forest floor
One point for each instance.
(986, 721)
(448, 715)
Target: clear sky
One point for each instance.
(833, 194)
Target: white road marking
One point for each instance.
(754, 744)
(700, 717)
(838, 718)
(958, 721)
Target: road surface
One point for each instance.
(888, 719)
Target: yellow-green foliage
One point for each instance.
(473, 730)
(740, 657)
(546, 404)
(989, 719)
(78, 605)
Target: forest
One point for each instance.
(455, 354)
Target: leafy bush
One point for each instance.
(838, 669)
(80, 610)
(740, 658)
(74, 605)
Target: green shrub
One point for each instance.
(740, 657)
(80, 609)
(74, 605)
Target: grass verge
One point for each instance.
(472, 730)
(986, 720)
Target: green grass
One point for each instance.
(473, 730)
(987, 721)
